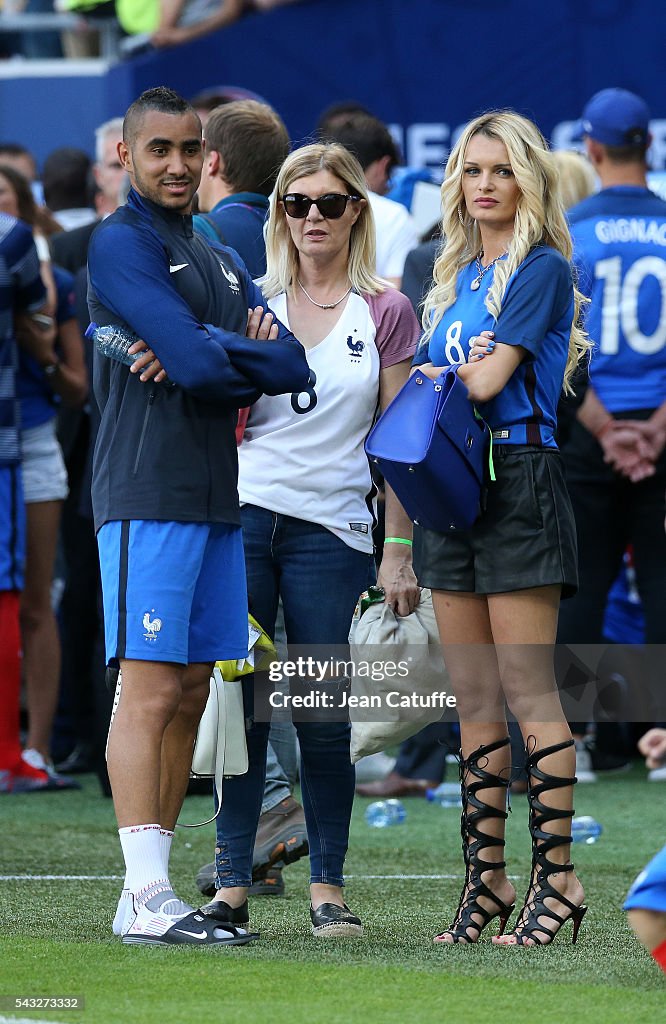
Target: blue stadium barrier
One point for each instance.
(423, 66)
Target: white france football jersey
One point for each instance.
(302, 455)
(396, 235)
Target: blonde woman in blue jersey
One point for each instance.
(503, 295)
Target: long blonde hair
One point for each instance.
(539, 220)
(576, 176)
(282, 254)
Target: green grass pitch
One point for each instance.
(55, 935)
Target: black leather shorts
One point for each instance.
(525, 537)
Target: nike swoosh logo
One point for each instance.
(181, 266)
(194, 935)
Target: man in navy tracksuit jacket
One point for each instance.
(164, 489)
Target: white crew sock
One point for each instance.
(166, 838)
(143, 853)
(165, 845)
(146, 851)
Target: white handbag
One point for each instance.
(220, 748)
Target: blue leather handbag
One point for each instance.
(432, 446)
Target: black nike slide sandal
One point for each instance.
(224, 915)
(194, 930)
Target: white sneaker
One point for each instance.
(153, 923)
(170, 925)
(35, 760)
(657, 774)
(42, 764)
(125, 913)
(584, 772)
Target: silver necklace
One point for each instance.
(323, 305)
(482, 271)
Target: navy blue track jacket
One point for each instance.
(169, 453)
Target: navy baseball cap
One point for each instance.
(615, 117)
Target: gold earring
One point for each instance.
(460, 214)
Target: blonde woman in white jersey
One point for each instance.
(307, 496)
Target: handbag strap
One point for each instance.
(220, 744)
(491, 464)
(477, 415)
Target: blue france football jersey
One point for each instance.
(649, 890)
(537, 313)
(620, 254)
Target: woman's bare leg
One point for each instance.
(39, 630)
(524, 626)
(469, 654)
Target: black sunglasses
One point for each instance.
(331, 206)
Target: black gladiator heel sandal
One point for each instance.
(540, 889)
(474, 809)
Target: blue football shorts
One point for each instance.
(12, 528)
(649, 890)
(173, 591)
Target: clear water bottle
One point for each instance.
(447, 794)
(383, 813)
(585, 830)
(114, 341)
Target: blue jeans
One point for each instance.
(319, 578)
(282, 758)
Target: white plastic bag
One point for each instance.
(407, 700)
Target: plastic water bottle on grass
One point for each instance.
(585, 830)
(447, 794)
(383, 813)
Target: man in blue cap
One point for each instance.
(616, 118)
(615, 459)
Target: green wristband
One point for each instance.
(397, 540)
